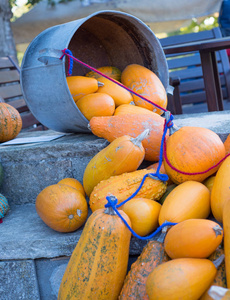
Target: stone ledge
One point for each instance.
(25, 236)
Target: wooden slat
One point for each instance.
(10, 91)
(28, 120)
(9, 76)
(5, 63)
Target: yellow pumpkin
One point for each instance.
(188, 200)
(111, 71)
(221, 190)
(143, 214)
(119, 94)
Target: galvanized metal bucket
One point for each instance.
(103, 38)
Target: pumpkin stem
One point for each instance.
(172, 129)
(109, 209)
(100, 83)
(217, 292)
(219, 261)
(137, 140)
(218, 230)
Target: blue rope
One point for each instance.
(70, 67)
(157, 175)
(112, 202)
(3, 205)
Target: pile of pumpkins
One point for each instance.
(190, 256)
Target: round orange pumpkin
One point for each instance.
(74, 183)
(193, 150)
(96, 105)
(146, 83)
(62, 207)
(143, 214)
(10, 122)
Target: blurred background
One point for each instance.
(23, 20)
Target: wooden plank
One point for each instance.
(28, 120)
(9, 76)
(10, 91)
(19, 104)
(5, 63)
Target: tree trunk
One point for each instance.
(7, 45)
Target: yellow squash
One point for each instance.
(124, 154)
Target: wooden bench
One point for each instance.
(10, 92)
(186, 74)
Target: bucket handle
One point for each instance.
(47, 55)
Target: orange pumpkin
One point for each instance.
(193, 150)
(146, 83)
(208, 182)
(125, 109)
(118, 93)
(227, 144)
(197, 238)
(62, 207)
(96, 104)
(111, 71)
(10, 122)
(112, 127)
(74, 183)
(143, 214)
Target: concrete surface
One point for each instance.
(33, 257)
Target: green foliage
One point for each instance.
(206, 24)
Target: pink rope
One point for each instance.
(111, 79)
(158, 106)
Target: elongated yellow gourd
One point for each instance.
(124, 185)
(80, 86)
(188, 200)
(98, 265)
(226, 225)
(124, 154)
(182, 278)
(221, 190)
(196, 238)
(131, 109)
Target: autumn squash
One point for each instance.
(182, 278)
(208, 182)
(10, 122)
(110, 71)
(227, 144)
(96, 104)
(143, 214)
(119, 94)
(146, 83)
(188, 200)
(62, 207)
(193, 150)
(113, 127)
(124, 185)
(197, 238)
(152, 255)
(80, 86)
(226, 226)
(124, 154)
(98, 264)
(221, 190)
(169, 189)
(220, 278)
(74, 183)
(125, 109)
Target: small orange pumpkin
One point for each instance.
(131, 109)
(74, 183)
(62, 207)
(96, 105)
(143, 214)
(10, 122)
(193, 150)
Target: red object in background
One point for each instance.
(0, 221)
(228, 52)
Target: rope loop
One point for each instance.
(70, 60)
(112, 200)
